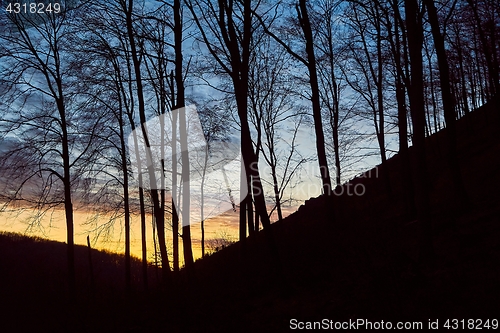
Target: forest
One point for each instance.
(177, 111)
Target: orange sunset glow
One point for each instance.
(109, 234)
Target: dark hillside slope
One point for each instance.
(360, 259)
(355, 257)
(33, 287)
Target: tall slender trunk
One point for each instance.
(336, 149)
(251, 230)
(186, 194)
(238, 43)
(448, 105)
(159, 217)
(68, 205)
(250, 221)
(315, 96)
(153, 225)
(463, 77)
(123, 107)
(179, 83)
(175, 216)
(380, 100)
(249, 158)
(243, 207)
(276, 192)
(380, 107)
(334, 113)
(142, 209)
(433, 94)
(175, 232)
(239, 75)
(126, 202)
(202, 203)
(144, 248)
(416, 94)
(257, 222)
(406, 173)
(70, 250)
(489, 54)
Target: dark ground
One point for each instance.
(350, 258)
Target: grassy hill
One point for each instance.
(352, 257)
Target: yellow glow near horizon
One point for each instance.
(53, 226)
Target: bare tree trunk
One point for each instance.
(238, 43)
(463, 77)
(416, 94)
(315, 96)
(336, 144)
(202, 194)
(179, 83)
(153, 224)
(142, 209)
(401, 78)
(70, 250)
(243, 208)
(91, 265)
(159, 217)
(380, 104)
(175, 216)
(68, 205)
(276, 192)
(432, 93)
(380, 98)
(126, 204)
(123, 107)
(257, 222)
(488, 52)
(448, 105)
(144, 248)
(251, 230)
(335, 111)
(186, 195)
(175, 232)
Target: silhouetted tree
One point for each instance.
(448, 103)
(110, 45)
(397, 38)
(366, 45)
(216, 130)
(158, 56)
(310, 63)
(56, 131)
(127, 8)
(416, 95)
(486, 18)
(325, 16)
(180, 103)
(272, 93)
(226, 30)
